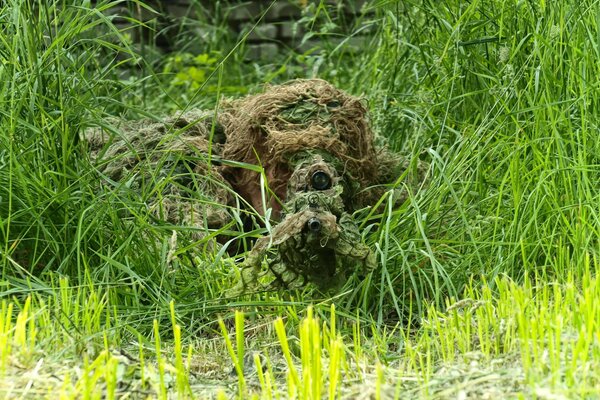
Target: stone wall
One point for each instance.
(267, 26)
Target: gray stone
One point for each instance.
(277, 26)
(283, 10)
(246, 12)
(262, 51)
(262, 32)
(287, 30)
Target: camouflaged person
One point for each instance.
(320, 163)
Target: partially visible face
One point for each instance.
(318, 241)
(311, 172)
(314, 183)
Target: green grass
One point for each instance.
(487, 277)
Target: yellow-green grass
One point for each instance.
(536, 339)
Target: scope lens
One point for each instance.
(320, 180)
(314, 224)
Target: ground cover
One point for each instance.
(486, 280)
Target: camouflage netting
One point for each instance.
(320, 159)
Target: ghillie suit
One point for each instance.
(169, 162)
(321, 164)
